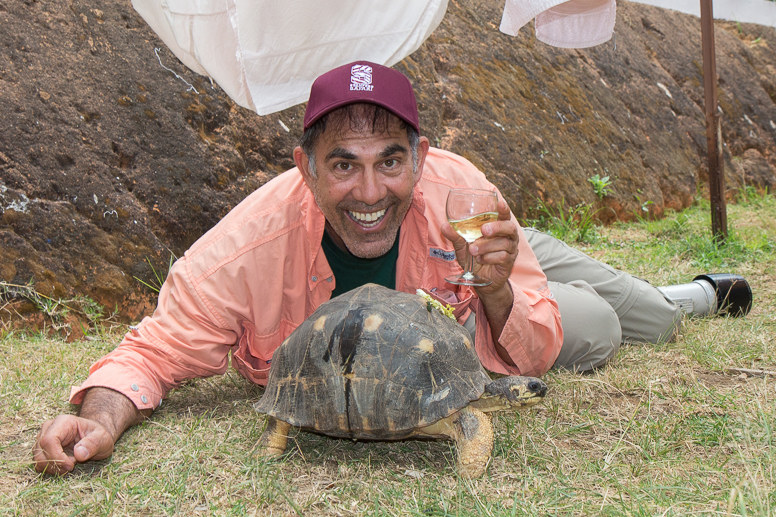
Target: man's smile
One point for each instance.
(367, 219)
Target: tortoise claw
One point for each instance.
(273, 441)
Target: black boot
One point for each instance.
(716, 294)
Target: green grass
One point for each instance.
(577, 224)
(662, 430)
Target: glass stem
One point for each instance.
(469, 264)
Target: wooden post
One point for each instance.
(713, 127)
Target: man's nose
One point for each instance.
(370, 189)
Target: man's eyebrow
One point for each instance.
(392, 150)
(339, 152)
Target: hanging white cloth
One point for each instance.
(568, 24)
(265, 54)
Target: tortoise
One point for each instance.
(378, 364)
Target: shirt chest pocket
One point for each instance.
(441, 263)
(253, 357)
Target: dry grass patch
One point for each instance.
(662, 430)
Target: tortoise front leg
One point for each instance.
(474, 439)
(273, 441)
(472, 431)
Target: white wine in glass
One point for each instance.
(467, 210)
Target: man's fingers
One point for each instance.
(69, 439)
(500, 236)
(54, 466)
(493, 258)
(49, 450)
(501, 228)
(504, 214)
(42, 431)
(496, 244)
(96, 444)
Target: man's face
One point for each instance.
(364, 184)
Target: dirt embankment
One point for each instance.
(108, 162)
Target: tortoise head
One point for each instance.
(514, 392)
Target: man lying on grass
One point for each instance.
(365, 203)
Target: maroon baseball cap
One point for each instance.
(362, 81)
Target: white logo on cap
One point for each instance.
(361, 78)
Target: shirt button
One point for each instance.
(144, 399)
(134, 387)
(315, 279)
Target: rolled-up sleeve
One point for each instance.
(532, 335)
(183, 339)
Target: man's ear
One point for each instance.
(423, 146)
(302, 162)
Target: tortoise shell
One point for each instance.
(373, 363)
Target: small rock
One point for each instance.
(414, 474)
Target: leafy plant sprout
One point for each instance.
(601, 186)
(644, 205)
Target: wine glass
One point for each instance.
(467, 210)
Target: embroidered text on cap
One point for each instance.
(361, 78)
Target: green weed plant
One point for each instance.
(570, 224)
(601, 185)
(54, 310)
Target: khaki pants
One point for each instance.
(600, 307)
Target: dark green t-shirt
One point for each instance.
(351, 271)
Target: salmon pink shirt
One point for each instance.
(246, 284)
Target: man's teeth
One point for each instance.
(368, 217)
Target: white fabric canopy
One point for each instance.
(266, 54)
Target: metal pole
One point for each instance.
(713, 127)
